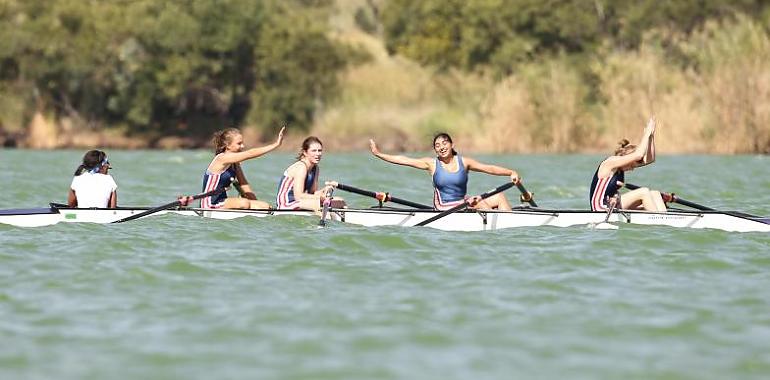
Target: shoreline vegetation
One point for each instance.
(368, 70)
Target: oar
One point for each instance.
(464, 205)
(526, 196)
(167, 206)
(327, 205)
(605, 225)
(380, 196)
(676, 199)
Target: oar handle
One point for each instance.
(675, 199)
(526, 196)
(169, 205)
(464, 205)
(388, 197)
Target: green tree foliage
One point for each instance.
(170, 67)
(504, 33)
(295, 69)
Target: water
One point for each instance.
(177, 297)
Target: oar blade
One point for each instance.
(326, 206)
(603, 226)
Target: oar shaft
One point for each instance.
(169, 205)
(443, 214)
(372, 194)
(463, 205)
(676, 199)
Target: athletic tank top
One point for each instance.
(601, 189)
(449, 189)
(285, 198)
(213, 182)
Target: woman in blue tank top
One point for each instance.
(449, 171)
(298, 187)
(610, 174)
(226, 166)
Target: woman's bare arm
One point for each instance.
(491, 169)
(228, 158)
(419, 163)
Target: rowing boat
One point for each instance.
(469, 220)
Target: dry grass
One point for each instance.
(721, 104)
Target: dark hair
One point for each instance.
(93, 159)
(306, 145)
(222, 138)
(446, 137)
(624, 148)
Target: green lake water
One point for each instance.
(173, 297)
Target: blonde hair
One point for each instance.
(222, 139)
(624, 148)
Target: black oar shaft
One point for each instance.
(464, 205)
(676, 199)
(168, 206)
(372, 194)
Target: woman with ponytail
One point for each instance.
(92, 186)
(226, 168)
(610, 175)
(298, 188)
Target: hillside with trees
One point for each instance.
(503, 75)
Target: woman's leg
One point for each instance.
(310, 204)
(243, 203)
(657, 198)
(497, 201)
(259, 205)
(641, 198)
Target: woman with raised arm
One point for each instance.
(610, 175)
(226, 167)
(298, 188)
(450, 174)
(92, 186)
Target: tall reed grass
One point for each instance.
(710, 91)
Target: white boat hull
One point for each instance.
(460, 221)
(494, 220)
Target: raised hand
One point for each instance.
(651, 124)
(280, 135)
(373, 147)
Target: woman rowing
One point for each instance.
(449, 171)
(92, 186)
(226, 167)
(610, 175)
(298, 188)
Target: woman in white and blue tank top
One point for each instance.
(610, 174)
(449, 171)
(226, 166)
(298, 187)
